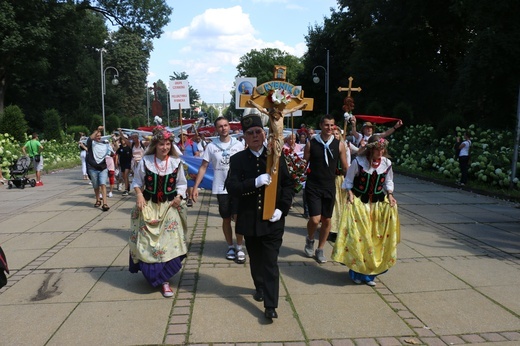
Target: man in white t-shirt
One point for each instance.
(218, 153)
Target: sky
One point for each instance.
(206, 38)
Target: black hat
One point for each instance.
(249, 121)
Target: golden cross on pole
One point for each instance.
(349, 101)
(350, 88)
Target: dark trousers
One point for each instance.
(464, 166)
(263, 260)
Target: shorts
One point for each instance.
(125, 165)
(111, 177)
(225, 206)
(97, 178)
(320, 201)
(38, 166)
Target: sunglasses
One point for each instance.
(256, 132)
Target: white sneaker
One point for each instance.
(110, 194)
(371, 283)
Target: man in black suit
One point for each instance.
(246, 181)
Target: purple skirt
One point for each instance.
(157, 273)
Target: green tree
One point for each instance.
(260, 64)
(33, 34)
(12, 121)
(52, 125)
(129, 54)
(112, 123)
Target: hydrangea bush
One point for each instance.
(417, 148)
(55, 154)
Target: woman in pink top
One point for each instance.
(290, 143)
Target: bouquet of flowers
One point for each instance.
(279, 96)
(297, 168)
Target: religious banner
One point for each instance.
(244, 86)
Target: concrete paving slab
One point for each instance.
(314, 278)
(50, 288)
(123, 258)
(23, 222)
(482, 271)
(110, 238)
(238, 282)
(404, 251)
(491, 235)
(19, 259)
(120, 323)
(506, 295)
(241, 320)
(334, 316)
(422, 239)
(44, 240)
(420, 277)
(104, 224)
(71, 257)
(32, 324)
(459, 312)
(444, 217)
(123, 285)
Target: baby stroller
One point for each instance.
(18, 173)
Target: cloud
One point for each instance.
(209, 48)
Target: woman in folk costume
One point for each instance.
(158, 220)
(370, 229)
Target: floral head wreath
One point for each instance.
(381, 143)
(160, 133)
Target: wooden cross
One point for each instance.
(261, 100)
(349, 89)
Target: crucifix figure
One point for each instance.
(275, 141)
(156, 104)
(348, 102)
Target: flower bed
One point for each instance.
(416, 148)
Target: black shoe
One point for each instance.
(270, 313)
(258, 296)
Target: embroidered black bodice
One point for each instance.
(160, 188)
(369, 187)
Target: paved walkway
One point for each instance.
(457, 280)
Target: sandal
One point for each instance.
(98, 203)
(105, 207)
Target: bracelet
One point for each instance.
(138, 193)
(390, 193)
(395, 129)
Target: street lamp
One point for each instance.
(115, 81)
(316, 79)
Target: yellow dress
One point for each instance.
(368, 237)
(369, 230)
(339, 205)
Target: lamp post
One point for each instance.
(115, 81)
(316, 79)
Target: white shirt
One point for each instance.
(220, 164)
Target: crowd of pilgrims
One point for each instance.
(362, 223)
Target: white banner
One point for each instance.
(179, 94)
